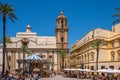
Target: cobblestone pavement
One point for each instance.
(59, 77)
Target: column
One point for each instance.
(14, 58)
(17, 57)
(53, 60)
(58, 61)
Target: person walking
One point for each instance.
(31, 77)
(36, 76)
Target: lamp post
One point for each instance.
(19, 61)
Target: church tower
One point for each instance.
(61, 32)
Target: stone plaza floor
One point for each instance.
(59, 77)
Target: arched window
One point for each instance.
(85, 58)
(82, 58)
(88, 56)
(92, 56)
(118, 52)
(62, 46)
(77, 59)
(112, 55)
(50, 56)
(61, 23)
(112, 44)
(9, 57)
(62, 39)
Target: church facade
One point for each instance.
(47, 47)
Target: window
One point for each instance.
(62, 30)
(85, 57)
(119, 42)
(92, 56)
(62, 46)
(102, 67)
(62, 39)
(118, 52)
(77, 59)
(92, 67)
(88, 57)
(111, 67)
(88, 67)
(112, 44)
(119, 68)
(82, 58)
(62, 23)
(9, 57)
(112, 56)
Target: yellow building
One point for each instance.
(84, 56)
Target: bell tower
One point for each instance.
(61, 31)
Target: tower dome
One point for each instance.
(61, 15)
(28, 28)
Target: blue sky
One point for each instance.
(83, 16)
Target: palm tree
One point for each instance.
(6, 12)
(63, 56)
(97, 44)
(7, 40)
(117, 15)
(24, 50)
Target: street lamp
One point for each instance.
(19, 61)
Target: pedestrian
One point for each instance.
(54, 73)
(36, 76)
(31, 76)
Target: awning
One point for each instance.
(33, 57)
(36, 69)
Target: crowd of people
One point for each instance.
(91, 75)
(9, 76)
(71, 74)
(18, 76)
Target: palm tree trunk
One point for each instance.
(23, 61)
(7, 58)
(62, 63)
(8, 66)
(4, 47)
(97, 57)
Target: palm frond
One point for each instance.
(25, 49)
(118, 9)
(11, 19)
(12, 15)
(117, 21)
(103, 42)
(98, 43)
(7, 40)
(62, 54)
(7, 11)
(1, 6)
(116, 15)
